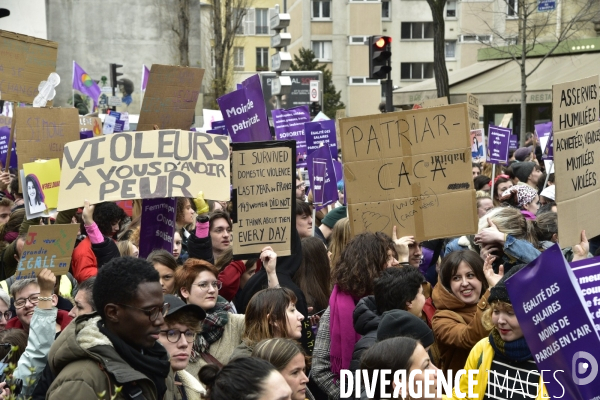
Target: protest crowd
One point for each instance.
(203, 265)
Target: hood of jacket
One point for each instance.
(62, 318)
(366, 318)
(445, 300)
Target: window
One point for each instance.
(357, 40)
(361, 80)
(386, 10)
(238, 18)
(512, 9)
(238, 57)
(321, 9)
(262, 21)
(262, 58)
(451, 49)
(451, 9)
(322, 50)
(416, 30)
(475, 38)
(416, 71)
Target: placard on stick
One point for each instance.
(144, 165)
(410, 169)
(264, 183)
(170, 98)
(25, 61)
(47, 246)
(473, 107)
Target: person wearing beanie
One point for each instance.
(330, 219)
(461, 297)
(523, 154)
(523, 197)
(548, 195)
(527, 172)
(398, 323)
(504, 355)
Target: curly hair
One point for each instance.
(363, 260)
(128, 273)
(182, 203)
(266, 315)
(106, 215)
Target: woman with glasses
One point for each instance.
(182, 323)
(196, 282)
(5, 313)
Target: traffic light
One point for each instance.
(315, 108)
(114, 74)
(380, 54)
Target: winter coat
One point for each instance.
(192, 387)
(366, 322)
(456, 327)
(86, 363)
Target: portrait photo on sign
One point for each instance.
(41, 182)
(477, 145)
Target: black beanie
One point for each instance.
(397, 323)
(522, 170)
(499, 292)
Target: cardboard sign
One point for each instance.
(170, 98)
(158, 224)
(575, 154)
(478, 145)
(498, 144)
(289, 124)
(144, 165)
(89, 127)
(473, 107)
(40, 190)
(322, 132)
(47, 246)
(25, 61)
(264, 191)
(41, 133)
(410, 169)
(557, 325)
(505, 120)
(575, 103)
(439, 102)
(587, 273)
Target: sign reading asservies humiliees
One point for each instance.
(411, 170)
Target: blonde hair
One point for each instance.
(510, 221)
(340, 236)
(125, 248)
(486, 317)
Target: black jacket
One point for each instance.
(366, 321)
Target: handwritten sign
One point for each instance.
(170, 98)
(41, 133)
(47, 246)
(473, 107)
(498, 144)
(144, 165)
(430, 103)
(158, 224)
(557, 325)
(575, 103)
(264, 183)
(412, 170)
(25, 61)
(575, 154)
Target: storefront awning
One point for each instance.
(499, 81)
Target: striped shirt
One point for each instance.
(512, 380)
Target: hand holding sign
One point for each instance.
(269, 260)
(580, 251)
(47, 281)
(88, 213)
(402, 245)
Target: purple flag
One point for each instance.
(218, 128)
(498, 144)
(158, 224)
(321, 132)
(329, 184)
(4, 138)
(426, 260)
(245, 114)
(85, 84)
(339, 175)
(513, 142)
(587, 273)
(558, 327)
(145, 75)
(546, 137)
(289, 124)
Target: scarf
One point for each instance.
(343, 337)
(153, 362)
(517, 350)
(212, 328)
(11, 236)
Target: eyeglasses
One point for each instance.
(152, 313)
(204, 285)
(301, 186)
(6, 314)
(173, 335)
(33, 299)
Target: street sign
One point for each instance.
(114, 101)
(314, 91)
(106, 89)
(280, 40)
(281, 61)
(299, 93)
(546, 5)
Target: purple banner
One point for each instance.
(546, 137)
(513, 142)
(319, 166)
(498, 144)
(218, 127)
(244, 112)
(339, 175)
(158, 224)
(4, 139)
(559, 330)
(321, 132)
(289, 125)
(587, 273)
(426, 259)
(329, 183)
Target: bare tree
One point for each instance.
(439, 52)
(538, 33)
(184, 32)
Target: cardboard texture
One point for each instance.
(575, 103)
(41, 133)
(411, 169)
(25, 61)
(144, 165)
(440, 101)
(473, 107)
(264, 183)
(42, 182)
(505, 120)
(170, 98)
(577, 173)
(47, 246)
